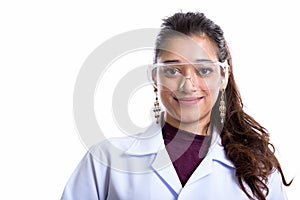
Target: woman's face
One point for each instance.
(188, 98)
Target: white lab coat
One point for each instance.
(139, 168)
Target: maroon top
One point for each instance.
(184, 150)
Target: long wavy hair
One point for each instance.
(246, 142)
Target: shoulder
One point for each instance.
(217, 152)
(121, 143)
(124, 143)
(276, 187)
(144, 143)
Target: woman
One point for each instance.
(204, 146)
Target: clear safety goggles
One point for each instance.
(204, 74)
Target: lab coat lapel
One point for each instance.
(204, 169)
(205, 166)
(151, 143)
(164, 168)
(216, 153)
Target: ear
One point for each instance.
(155, 88)
(226, 77)
(154, 77)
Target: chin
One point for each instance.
(188, 118)
(192, 118)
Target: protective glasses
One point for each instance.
(207, 74)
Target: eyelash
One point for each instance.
(170, 71)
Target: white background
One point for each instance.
(44, 43)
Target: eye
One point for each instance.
(170, 71)
(205, 71)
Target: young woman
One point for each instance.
(204, 146)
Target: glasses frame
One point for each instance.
(223, 65)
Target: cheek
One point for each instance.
(215, 89)
(214, 96)
(165, 96)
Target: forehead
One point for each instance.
(188, 49)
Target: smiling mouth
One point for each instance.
(188, 100)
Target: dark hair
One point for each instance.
(245, 141)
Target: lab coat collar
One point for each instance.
(148, 142)
(151, 142)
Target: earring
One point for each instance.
(156, 109)
(222, 107)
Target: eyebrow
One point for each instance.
(178, 61)
(171, 61)
(204, 60)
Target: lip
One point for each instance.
(188, 101)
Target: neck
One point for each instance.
(199, 127)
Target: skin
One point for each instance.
(189, 107)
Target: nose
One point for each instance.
(184, 80)
(188, 84)
(192, 83)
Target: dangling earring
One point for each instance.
(222, 107)
(156, 109)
